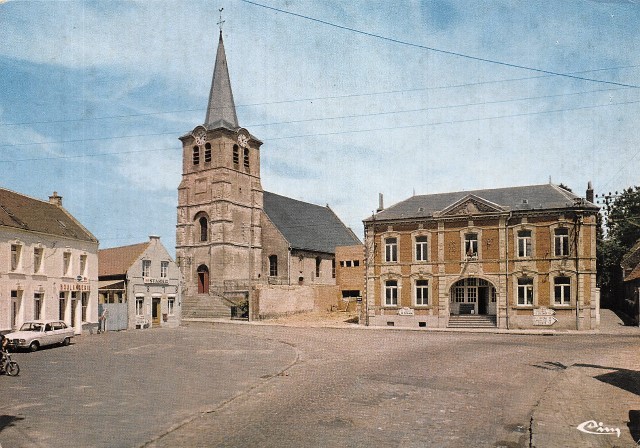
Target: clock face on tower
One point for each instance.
(243, 140)
(201, 137)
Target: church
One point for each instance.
(239, 247)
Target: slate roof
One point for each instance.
(307, 226)
(221, 110)
(118, 260)
(531, 197)
(26, 213)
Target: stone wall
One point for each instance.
(279, 300)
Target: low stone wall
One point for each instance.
(278, 300)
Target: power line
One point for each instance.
(437, 50)
(311, 99)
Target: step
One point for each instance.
(472, 321)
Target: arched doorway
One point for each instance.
(472, 296)
(203, 279)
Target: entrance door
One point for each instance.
(155, 311)
(483, 300)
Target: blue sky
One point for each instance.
(96, 93)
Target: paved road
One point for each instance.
(247, 385)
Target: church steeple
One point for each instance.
(221, 110)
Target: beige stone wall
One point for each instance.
(273, 243)
(278, 300)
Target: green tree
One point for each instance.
(621, 231)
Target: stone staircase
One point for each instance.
(472, 321)
(205, 306)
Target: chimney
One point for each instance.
(590, 192)
(154, 237)
(55, 199)
(380, 203)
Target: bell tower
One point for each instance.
(218, 232)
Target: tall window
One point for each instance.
(204, 228)
(391, 293)
(146, 268)
(207, 152)
(62, 305)
(273, 265)
(37, 305)
(16, 252)
(525, 291)
(85, 304)
(318, 266)
(37, 259)
(524, 243)
(171, 305)
(66, 263)
(139, 306)
(236, 156)
(562, 290)
(561, 242)
(391, 249)
(83, 265)
(196, 155)
(246, 159)
(471, 245)
(333, 268)
(421, 248)
(422, 292)
(164, 269)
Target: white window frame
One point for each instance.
(391, 249)
(38, 305)
(140, 306)
(16, 256)
(391, 293)
(171, 304)
(421, 292)
(38, 258)
(561, 246)
(421, 248)
(564, 290)
(146, 268)
(164, 269)
(525, 288)
(524, 240)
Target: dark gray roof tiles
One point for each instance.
(532, 197)
(221, 110)
(307, 226)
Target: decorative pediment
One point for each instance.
(471, 205)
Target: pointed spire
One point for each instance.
(221, 111)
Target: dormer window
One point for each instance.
(196, 155)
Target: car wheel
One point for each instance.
(34, 346)
(66, 341)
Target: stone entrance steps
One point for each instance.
(472, 321)
(205, 306)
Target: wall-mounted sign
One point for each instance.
(405, 312)
(75, 287)
(155, 281)
(542, 311)
(544, 320)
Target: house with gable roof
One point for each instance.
(140, 286)
(48, 263)
(511, 258)
(630, 265)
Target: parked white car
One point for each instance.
(39, 333)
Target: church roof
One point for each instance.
(514, 199)
(307, 226)
(25, 213)
(221, 110)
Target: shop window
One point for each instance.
(85, 304)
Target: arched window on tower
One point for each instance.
(203, 279)
(236, 156)
(203, 223)
(207, 153)
(196, 155)
(246, 159)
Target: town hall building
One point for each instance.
(233, 239)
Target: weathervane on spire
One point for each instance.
(221, 21)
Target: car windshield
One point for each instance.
(31, 326)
